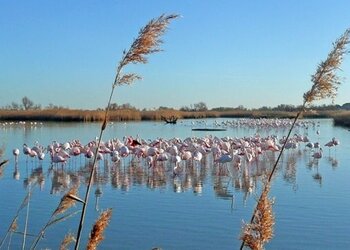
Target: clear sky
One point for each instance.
(222, 52)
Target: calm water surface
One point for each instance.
(202, 208)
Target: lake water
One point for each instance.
(201, 208)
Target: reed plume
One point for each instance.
(325, 81)
(260, 231)
(67, 201)
(68, 239)
(147, 42)
(96, 235)
(325, 85)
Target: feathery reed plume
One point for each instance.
(147, 42)
(68, 239)
(65, 203)
(96, 235)
(260, 231)
(325, 85)
(325, 81)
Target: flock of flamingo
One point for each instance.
(223, 150)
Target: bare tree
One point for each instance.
(201, 106)
(27, 103)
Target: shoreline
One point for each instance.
(340, 117)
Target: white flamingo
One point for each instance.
(15, 152)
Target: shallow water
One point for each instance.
(202, 208)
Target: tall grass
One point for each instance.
(147, 42)
(325, 85)
(342, 118)
(70, 115)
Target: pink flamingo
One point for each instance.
(318, 154)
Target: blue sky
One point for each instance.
(224, 52)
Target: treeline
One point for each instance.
(28, 104)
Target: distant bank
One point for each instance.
(341, 117)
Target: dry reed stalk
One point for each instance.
(325, 85)
(96, 235)
(27, 201)
(14, 221)
(14, 226)
(3, 163)
(147, 42)
(13, 229)
(68, 239)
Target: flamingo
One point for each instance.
(335, 141)
(41, 156)
(224, 158)
(115, 156)
(149, 160)
(89, 154)
(58, 159)
(26, 150)
(15, 152)
(310, 145)
(329, 145)
(186, 155)
(197, 156)
(318, 154)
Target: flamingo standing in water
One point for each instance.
(26, 150)
(329, 145)
(335, 142)
(15, 152)
(318, 154)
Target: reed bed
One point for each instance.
(342, 118)
(68, 115)
(57, 115)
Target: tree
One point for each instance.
(185, 108)
(346, 106)
(113, 106)
(201, 106)
(27, 103)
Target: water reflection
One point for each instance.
(36, 177)
(224, 178)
